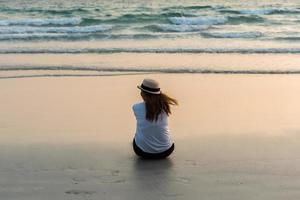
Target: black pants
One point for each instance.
(146, 155)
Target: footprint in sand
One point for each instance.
(110, 179)
(170, 195)
(78, 179)
(184, 180)
(191, 162)
(115, 172)
(80, 192)
(113, 177)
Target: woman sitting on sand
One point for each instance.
(152, 139)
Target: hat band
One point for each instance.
(150, 89)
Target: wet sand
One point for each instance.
(236, 136)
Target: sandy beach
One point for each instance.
(236, 137)
(68, 76)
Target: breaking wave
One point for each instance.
(198, 20)
(150, 50)
(232, 34)
(262, 11)
(176, 28)
(74, 29)
(40, 22)
(93, 71)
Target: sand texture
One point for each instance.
(236, 136)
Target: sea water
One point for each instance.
(101, 37)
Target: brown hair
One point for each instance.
(156, 104)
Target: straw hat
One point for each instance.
(150, 86)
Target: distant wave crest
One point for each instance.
(231, 34)
(74, 29)
(46, 10)
(262, 11)
(150, 50)
(176, 28)
(40, 22)
(93, 71)
(198, 20)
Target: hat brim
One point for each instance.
(151, 92)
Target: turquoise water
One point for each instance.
(108, 20)
(111, 27)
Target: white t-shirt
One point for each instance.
(151, 137)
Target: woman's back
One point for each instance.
(151, 136)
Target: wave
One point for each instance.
(135, 18)
(41, 21)
(265, 11)
(176, 28)
(47, 10)
(197, 20)
(138, 36)
(45, 36)
(151, 50)
(78, 36)
(160, 17)
(289, 38)
(74, 29)
(245, 19)
(64, 75)
(231, 34)
(216, 20)
(194, 7)
(127, 71)
(262, 11)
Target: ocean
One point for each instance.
(116, 37)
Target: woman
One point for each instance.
(152, 139)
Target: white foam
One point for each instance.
(197, 20)
(31, 35)
(182, 28)
(76, 29)
(266, 11)
(53, 71)
(257, 11)
(233, 34)
(148, 50)
(40, 22)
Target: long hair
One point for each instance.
(157, 104)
